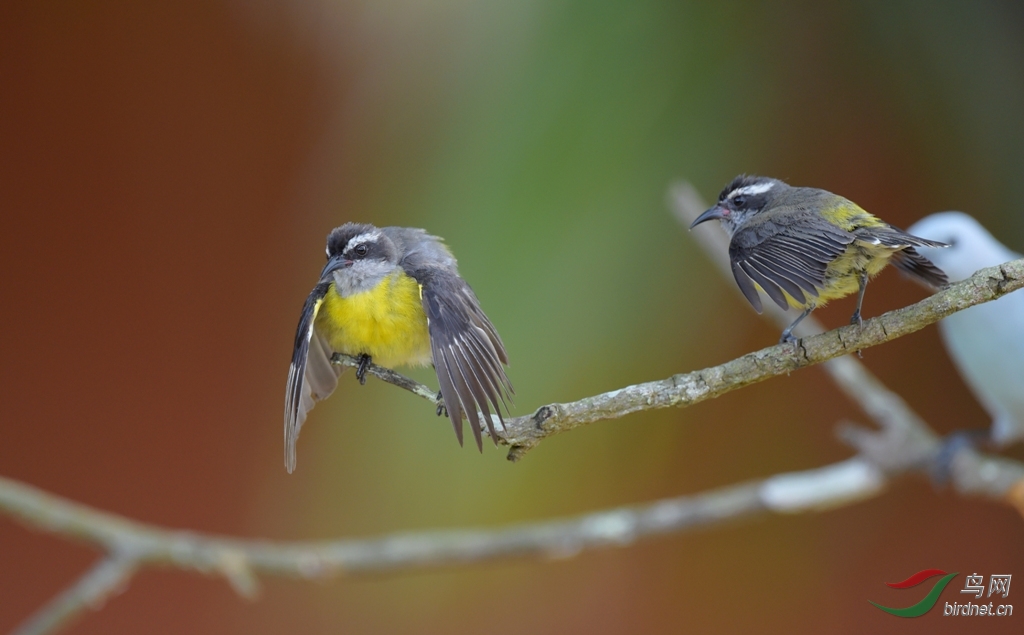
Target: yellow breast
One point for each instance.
(386, 323)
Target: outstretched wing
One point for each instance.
(790, 258)
(311, 376)
(468, 353)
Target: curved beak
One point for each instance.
(715, 213)
(336, 263)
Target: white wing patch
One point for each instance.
(316, 309)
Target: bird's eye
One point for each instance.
(739, 201)
(361, 250)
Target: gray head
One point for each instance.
(971, 247)
(742, 198)
(359, 256)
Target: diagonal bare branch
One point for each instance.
(524, 433)
(90, 591)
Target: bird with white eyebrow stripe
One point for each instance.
(393, 296)
(804, 247)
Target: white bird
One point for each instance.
(985, 341)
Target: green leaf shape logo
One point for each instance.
(925, 605)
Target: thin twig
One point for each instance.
(389, 376)
(91, 591)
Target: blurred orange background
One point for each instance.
(167, 177)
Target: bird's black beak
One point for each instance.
(715, 213)
(336, 263)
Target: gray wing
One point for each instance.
(311, 376)
(788, 257)
(468, 353)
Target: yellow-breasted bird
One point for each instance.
(393, 295)
(804, 246)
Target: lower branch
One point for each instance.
(833, 485)
(105, 579)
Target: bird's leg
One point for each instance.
(942, 468)
(787, 335)
(856, 319)
(441, 408)
(364, 365)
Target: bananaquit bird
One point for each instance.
(803, 246)
(393, 295)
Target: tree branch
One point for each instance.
(143, 544)
(524, 433)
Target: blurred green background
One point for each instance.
(167, 177)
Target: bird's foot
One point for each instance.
(364, 365)
(953, 444)
(441, 408)
(856, 319)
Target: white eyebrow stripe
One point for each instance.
(367, 237)
(752, 190)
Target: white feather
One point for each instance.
(986, 342)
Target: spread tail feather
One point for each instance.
(917, 266)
